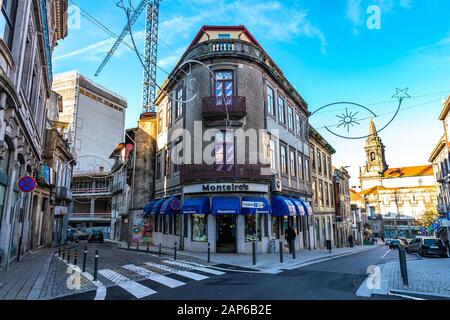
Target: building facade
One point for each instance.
(394, 197)
(344, 215)
(440, 158)
(322, 189)
(29, 31)
(92, 112)
(234, 195)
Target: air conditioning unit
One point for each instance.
(276, 184)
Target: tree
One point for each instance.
(428, 217)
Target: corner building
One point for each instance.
(228, 204)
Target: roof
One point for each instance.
(403, 172)
(355, 196)
(374, 190)
(445, 109)
(313, 133)
(438, 148)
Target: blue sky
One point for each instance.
(324, 48)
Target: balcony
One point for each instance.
(63, 194)
(94, 217)
(217, 107)
(202, 172)
(91, 191)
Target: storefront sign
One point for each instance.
(226, 187)
(252, 204)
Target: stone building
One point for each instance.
(440, 158)
(344, 216)
(322, 188)
(394, 197)
(96, 118)
(28, 34)
(236, 196)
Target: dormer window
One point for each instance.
(224, 36)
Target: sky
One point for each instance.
(330, 51)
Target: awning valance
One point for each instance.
(298, 206)
(157, 206)
(226, 205)
(307, 206)
(148, 207)
(282, 206)
(196, 206)
(255, 205)
(169, 205)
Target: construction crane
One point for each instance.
(151, 49)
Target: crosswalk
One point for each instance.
(144, 280)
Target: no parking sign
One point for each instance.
(26, 184)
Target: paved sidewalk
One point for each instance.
(430, 276)
(268, 263)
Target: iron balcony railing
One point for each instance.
(203, 172)
(219, 106)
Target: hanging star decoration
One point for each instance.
(348, 119)
(401, 94)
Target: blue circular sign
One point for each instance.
(26, 184)
(175, 204)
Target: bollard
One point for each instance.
(254, 252)
(293, 250)
(159, 250)
(68, 255)
(64, 252)
(328, 244)
(175, 252)
(281, 251)
(128, 246)
(95, 265)
(209, 252)
(137, 246)
(84, 259)
(75, 259)
(59, 250)
(403, 267)
(148, 247)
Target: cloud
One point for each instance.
(435, 54)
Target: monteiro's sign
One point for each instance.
(225, 187)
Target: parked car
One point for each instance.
(426, 246)
(395, 244)
(96, 236)
(71, 234)
(387, 241)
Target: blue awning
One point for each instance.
(148, 207)
(157, 206)
(298, 206)
(255, 205)
(307, 206)
(226, 205)
(282, 206)
(166, 207)
(196, 206)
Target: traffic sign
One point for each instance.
(175, 204)
(26, 184)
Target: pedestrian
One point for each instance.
(350, 240)
(290, 235)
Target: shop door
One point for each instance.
(226, 233)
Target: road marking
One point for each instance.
(136, 289)
(405, 296)
(169, 282)
(187, 274)
(195, 267)
(384, 255)
(100, 293)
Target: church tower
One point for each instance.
(375, 167)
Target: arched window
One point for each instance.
(372, 156)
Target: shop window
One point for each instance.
(199, 228)
(176, 224)
(166, 224)
(275, 228)
(185, 225)
(171, 224)
(252, 229)
(266, 225)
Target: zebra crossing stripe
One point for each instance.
(136, 289)
(169, 282)
(100, 293)
(187, 274)
(194, 266)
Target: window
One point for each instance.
(292, 167)
(283, 159)
(319, 161)
(314, 187)
(179, 103)
(199, 228)
(300, 167)
(169, 114)
(290, 118)
(224, 83)
(298, 125)
(307, 174)
(224, 36)
(160, 122)
(325, 173)
(7, 19)
(252, 228)
(327, 194)
(178, 157)
(166, 223)
(224, 150)
(272, 155)
(321, 193)
(281, 113)
(176, 224)
(275, 228)
(270, 101)
(330, 168)
(158, 166)
(313, 156)
(168, 163)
